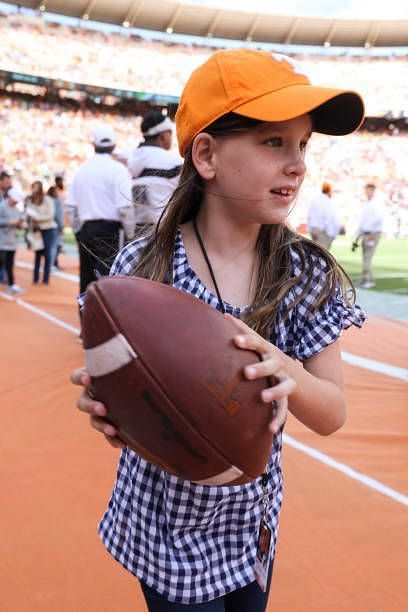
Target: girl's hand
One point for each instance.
(272, 364)
(95, 409)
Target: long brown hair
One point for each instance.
(37, 195)
(273, 246)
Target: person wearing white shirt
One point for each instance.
(155, 169)
(369, 231)
(5, 185)
(100, 205)
(10, 221)
(322, 220)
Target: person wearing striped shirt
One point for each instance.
(155, 169)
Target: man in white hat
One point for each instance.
(155, 169)
(100, 202)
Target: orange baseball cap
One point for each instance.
(265, 86)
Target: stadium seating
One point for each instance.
(57, 137)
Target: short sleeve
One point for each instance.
(127, 257)
(317, 329)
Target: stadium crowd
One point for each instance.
(55, 140)
(29, 44)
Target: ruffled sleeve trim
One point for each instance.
(325, 326)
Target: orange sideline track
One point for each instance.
(342, 544)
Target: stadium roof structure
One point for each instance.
(193, 19)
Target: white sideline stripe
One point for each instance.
(376, 366)
(368, 481)
(341, 467)
(362, 362)
(41, 313)
(6, 296)
(391, 275)
(109, 356)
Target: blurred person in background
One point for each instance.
(5, 185)
(155, 169)
(100, 205)
(40, 211)
(369, 231)
(322, 220)
(60, 189)
(54, 193)
(59, 184)
(10, 221)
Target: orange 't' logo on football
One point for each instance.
(223, 390)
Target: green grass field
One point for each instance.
(390, 263)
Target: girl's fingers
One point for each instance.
(268, 367)
(280, 391)
(89, 405)
(109, 431)
(115, 442)
(95, 409)
(252, 341)
(103, 426)
(280, 417)
(80, 377)
(85, 402)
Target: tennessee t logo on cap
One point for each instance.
(296, 66)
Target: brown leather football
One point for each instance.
(165, 366)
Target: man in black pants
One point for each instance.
(100, 203)
(5, 185)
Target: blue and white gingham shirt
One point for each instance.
(193, 543)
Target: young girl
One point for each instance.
(243, 126)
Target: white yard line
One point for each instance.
(391, 275)
(376, 366)
(345, 469)
(356, 360)
(311, 452)
(40, 312)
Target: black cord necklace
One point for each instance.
(200, 242)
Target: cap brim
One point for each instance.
(334, 111)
